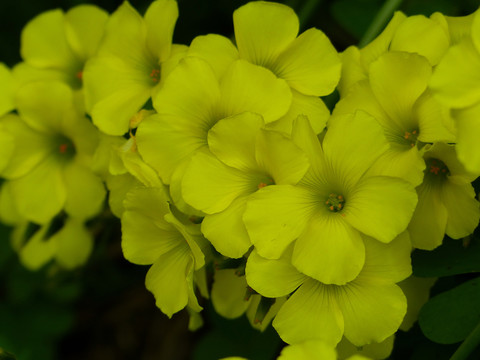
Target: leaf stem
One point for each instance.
(470, 343)
(378, 23)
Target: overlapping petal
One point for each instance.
(263, 30)
(329, 250)
(370, 206)
(310, 313)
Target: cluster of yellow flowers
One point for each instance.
(222, 158)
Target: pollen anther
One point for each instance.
(261, 185)
(63, 148)
(335, 202)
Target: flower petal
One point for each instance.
(247, 87)
(85, 191)
(232, 140)
(263, 30)
(7, 86)
(312, 107)
(145, 235)
(399, 162)
(329, 250)
(112, 114)
(217, 50)
(280, 157)
(164, 141)
(160, 19)
(421, 35)
(273, 278)
(312, 350)
(228, 294)
(211, 186)
(429, 220)
(370, 207)
(381, 43)
(168, 280)
(397, 80)
(276, 215)
(468, 146)
(37, 251)
(27, 147)
(371, 312)
(43, 105)
(40, 206)
(226, 230)
(73, 244)
(310, 313)
(435, 123)
(456, 80)
(353, 70)
(310, 64)
(191, 91)
(84, 29)
(387, 263)
(44, 44)
(361, 97)
(463, 209)
(352, 144)
(305, 138)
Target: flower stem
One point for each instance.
(307, 11)
(470, 343)
(378, 23)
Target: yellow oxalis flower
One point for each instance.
(151, 234)
(418, 34)
(367, 309)
(134, 57)
(446, 200)
(53, 148)
(56, 45)
(336, 201)
(396, 95)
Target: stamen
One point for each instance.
(436, 168)
(261, 185)
(63, 148)
(79, 75)
(335, 202)
(411, 137)
(155, 75)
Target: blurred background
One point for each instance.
(102, 310)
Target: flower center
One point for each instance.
(335, 202)
(155, 74)
(436, 169)
(264, 181)
(65, 149)
(411, 137)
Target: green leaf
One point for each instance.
(450, 316)
(452, 258)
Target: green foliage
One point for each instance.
(451, 316)
(235, 338)
(453, 257)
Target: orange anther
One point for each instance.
(261, 185)
(331, 207)
(434, 169)
(63, 148)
